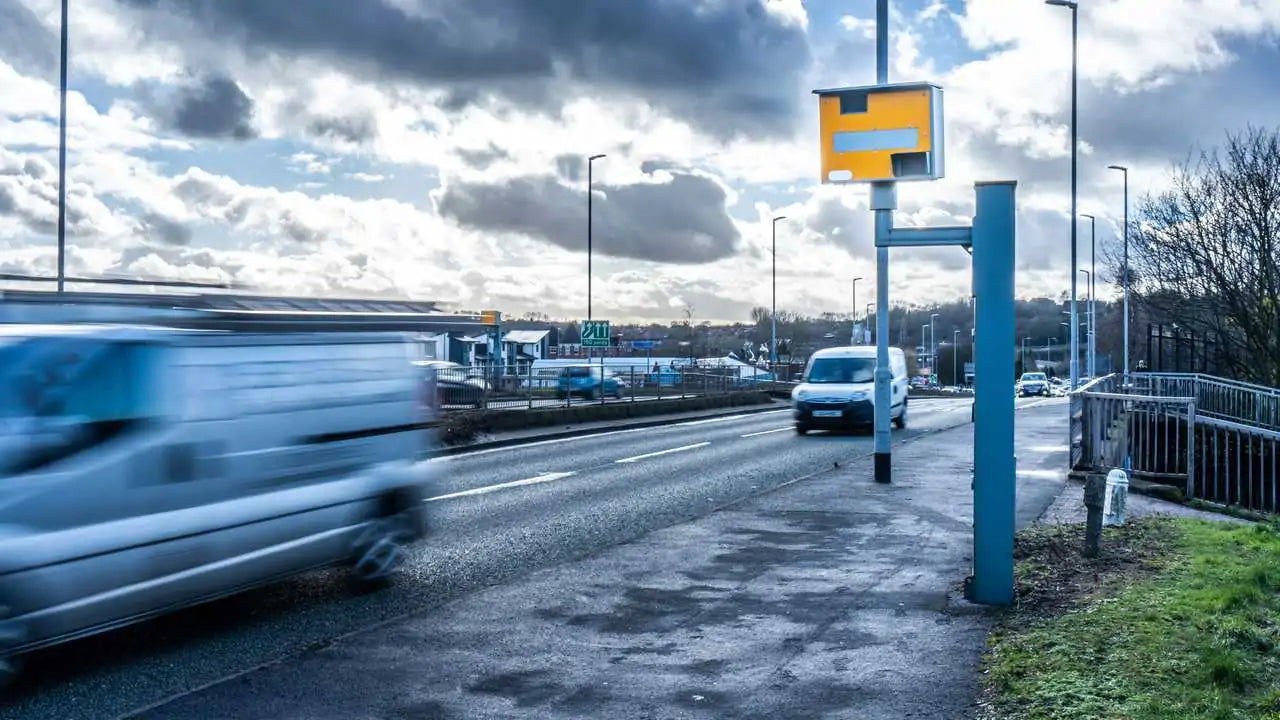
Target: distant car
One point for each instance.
(588, 381)
(1034, 384)
(457, 384)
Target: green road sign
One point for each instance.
(595, 333)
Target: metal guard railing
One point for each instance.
(1216, 439)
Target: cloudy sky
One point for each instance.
(436, 149)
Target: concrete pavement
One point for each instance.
(828, 597)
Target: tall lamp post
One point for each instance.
(62, 157)
(853, 331)
(955, 353)
(1088, 323)
(1125, 266)
(1075, 329)
(933, 342)
(773, 313)
(1093, 296)
(590, 161)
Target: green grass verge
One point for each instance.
(1186, 630)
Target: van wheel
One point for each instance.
(380, 549)
(11, 635)
(802, 430)
(901, 421)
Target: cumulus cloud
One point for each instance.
(727, 66)
(213, 107)
(681, 219)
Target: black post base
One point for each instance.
(884, 469)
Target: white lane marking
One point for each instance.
(766, 432)
(646, 456)
(543, 478)
(1050, 448)
(1041, 474)
(592, 436)
(708, 421)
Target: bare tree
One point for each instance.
(1206, 253)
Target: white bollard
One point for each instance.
(1116, 496)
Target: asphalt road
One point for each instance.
(497, 514)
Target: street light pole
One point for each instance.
(933, 342)
(924, 342)
(853, 330)
(955, 353)
(62, 157)
(1125, 266)
(1093, 296)
(773, 313)
(1088, 321)
(590, 161)
(1075, 329)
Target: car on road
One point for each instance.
(587, 381)
(147, 469)
(457, 384)
(1034, 383)
(837, 390)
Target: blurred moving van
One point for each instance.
(147, 469)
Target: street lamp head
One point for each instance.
(1121, 168)
(596, 157)
(1087, 215)
(857, 279)
(780, 217)
(1062, 3)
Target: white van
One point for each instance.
(146, 469)
(838, 389)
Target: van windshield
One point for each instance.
(61, 395)
(842, 370)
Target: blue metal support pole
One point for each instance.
(993, 461)
(884, 200)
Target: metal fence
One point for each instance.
(525, 387)
(1217, 398)
(1216, 439)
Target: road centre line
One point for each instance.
(766, 432)
(537, 480)
(646, 456)
(593, 436)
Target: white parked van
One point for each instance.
(838, 389)
(146, 469)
